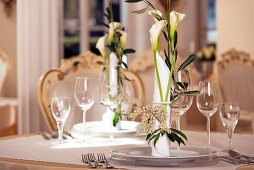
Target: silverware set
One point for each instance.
(92, 162)
(236, 158)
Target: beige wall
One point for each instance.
(235, 22)
(8, 44)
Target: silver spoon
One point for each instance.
(243, 158)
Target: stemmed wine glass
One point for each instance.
(229, 115)
(111, 91)
(207, 102)
(60, 107)
(84, 96)
(183, 103)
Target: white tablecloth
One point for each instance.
(36, 148)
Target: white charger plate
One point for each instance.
(185, 156)
(96, 128)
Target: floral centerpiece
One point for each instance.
(205, 60)
(207, 53)
(112, 47)
(156, 118)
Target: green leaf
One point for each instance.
(141, 11)
(151, 138)
(133, 1)
(179, 132)
(165, 35)
(148, 136)
(106, 25)
(107, 16)
(117, 117)
(175, 40)
(190, 59)
(177, 138)
(176, 55)
(128, 50)
(150, 4)
(100, 62)
(180, 84)
(168, 63)
(170, 137)
(156, 139)
(156, 130)
(158, 17)
(125, 65)
(185, 85)
(174, 99)
(190, 93)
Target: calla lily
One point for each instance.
(155, 33)
(151, 12)
(123, 38)
(175, 18)
(100, 45)
(112, 27)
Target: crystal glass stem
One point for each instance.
(208, 132)
(178, 123)
(230, 132)
(60, 126)
(84, 122)
(111, 137)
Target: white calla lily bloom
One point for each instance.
(151, 12)
(155, 33)
(112, 26)
(175, 18)
(123, 38)
(100, 45)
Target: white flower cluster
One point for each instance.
(149, 115)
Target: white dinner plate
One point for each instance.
(96, 128)
(142, 156)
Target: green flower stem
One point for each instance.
(172, 64)
(108, 79)
(157, 74)
(170, 77)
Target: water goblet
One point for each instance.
(183, 103)
(60, 108)
(84, 96)
(207, 103)
(229, 115)
(111, 91)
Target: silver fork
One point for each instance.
(103, 161)
(85, 159)
(92, 159)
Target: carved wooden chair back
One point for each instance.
(4, 70)
(62, 80)
(235, 76)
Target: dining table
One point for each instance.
(33, 152)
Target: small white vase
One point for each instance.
(107, 118)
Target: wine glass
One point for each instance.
(229, 115)
(84, 96)
(111, 91)
(60, 107)
(183, 103)
(207, 102)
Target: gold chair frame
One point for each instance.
(5, 58)
(221, 64)
(86, 60)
